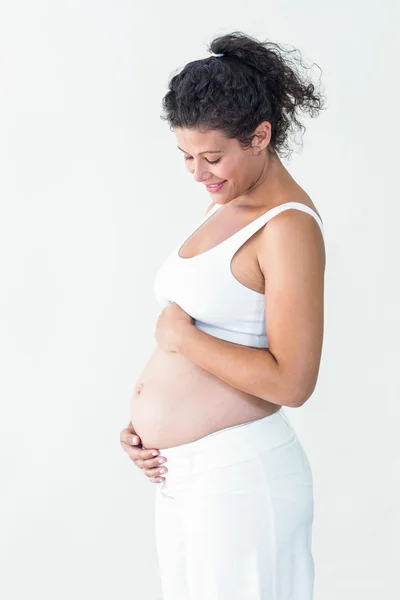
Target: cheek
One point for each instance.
(239, 171)
(226, 172)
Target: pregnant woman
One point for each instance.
(239, 337)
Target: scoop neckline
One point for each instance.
(212, 212)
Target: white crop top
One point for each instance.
(206, 289)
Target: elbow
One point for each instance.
(295, 396)
(299, 400)
(290, 389)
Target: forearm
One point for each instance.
(251, 370)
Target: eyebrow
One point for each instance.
(205, 151)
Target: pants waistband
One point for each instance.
(233, 444)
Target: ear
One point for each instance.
(263, 134)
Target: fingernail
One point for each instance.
(155, 453)
(135, 439)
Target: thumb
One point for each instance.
(135, 439)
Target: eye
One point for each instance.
(211, 162)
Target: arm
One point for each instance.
(292, 259)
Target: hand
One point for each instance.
(143, 458)
(171, 325)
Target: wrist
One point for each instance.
(184, 332)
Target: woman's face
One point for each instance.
(212, 158)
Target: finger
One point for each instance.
(137, 454)
(131, 430)
(146, 453)
(151, 466)
(132, 451)
(157, 472)
(157, 479)
(154, 463)
(127, 437)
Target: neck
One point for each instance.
(273, 179)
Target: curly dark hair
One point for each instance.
(253, 82)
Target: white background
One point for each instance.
(94, 193)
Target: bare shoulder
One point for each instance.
(293, 227)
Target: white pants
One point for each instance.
(233, 518)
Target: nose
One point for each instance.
(200, 173)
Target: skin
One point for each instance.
(142, 458)
(254, 176)
(256, 181)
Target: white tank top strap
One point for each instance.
(235, 241)
(213, 209)
(238, 239)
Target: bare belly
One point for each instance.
(175, 402)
